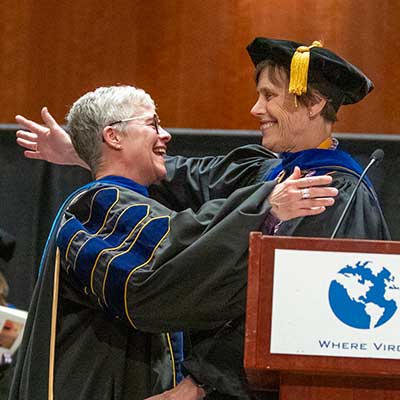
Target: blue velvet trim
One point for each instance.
(104, 199)
(319, 160)
(124, 182)
(123, 236)
(57, 220)
(92, 246)
(177, 348)
(139, 254)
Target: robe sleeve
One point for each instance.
(192, 181)
(160, 270)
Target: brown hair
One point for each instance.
(275, 70)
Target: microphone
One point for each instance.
(376, 158)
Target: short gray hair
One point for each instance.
(95, 110)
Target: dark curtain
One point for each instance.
(30, 194)
(32, 191)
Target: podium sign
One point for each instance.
(336, 304)
(323, 314)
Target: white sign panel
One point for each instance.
(336, 304)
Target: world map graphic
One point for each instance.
(364, 296)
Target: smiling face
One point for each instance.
(284, 126)
(143, 149)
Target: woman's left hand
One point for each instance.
(300, 197)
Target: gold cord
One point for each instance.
(53, 326)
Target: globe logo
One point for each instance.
(364, 296)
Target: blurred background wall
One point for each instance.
(189, 54)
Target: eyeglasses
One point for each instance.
(155, 121)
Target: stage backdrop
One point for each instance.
(189, 54)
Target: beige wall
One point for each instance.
(189, 54)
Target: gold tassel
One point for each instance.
(299, 69)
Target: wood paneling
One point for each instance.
(188, 54)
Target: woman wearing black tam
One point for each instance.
(300, 90)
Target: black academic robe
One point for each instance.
(192, 181)
(217, 357)
(130, 269)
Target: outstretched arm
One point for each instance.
(48, 142)
(190, 182)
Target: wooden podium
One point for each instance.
(300, 376)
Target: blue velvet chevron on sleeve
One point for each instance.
(108, 236)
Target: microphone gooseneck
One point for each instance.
(376, 158)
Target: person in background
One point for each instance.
(3, 290)
(7, 247)
(6, 359)
(122, 275)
